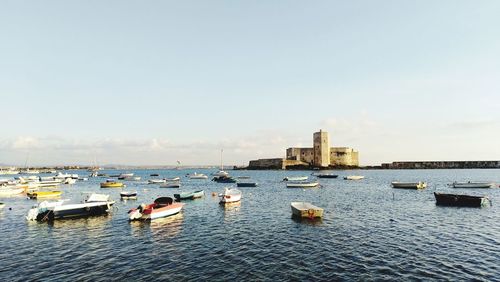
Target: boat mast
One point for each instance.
(221, 166)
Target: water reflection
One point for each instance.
(308, 221)
(168, 226)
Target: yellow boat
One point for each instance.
(44, 194)
(112, 184)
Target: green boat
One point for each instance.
(189, 195)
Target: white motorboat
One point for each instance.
(95, 204)
(409, 185)
(173, 179)
(156, 181)
(474, 185)
(123, 176)
(6, 192)
(354, 177)
(64, 176)
(296, 178)
(307, 210)
(161, 207)
(9, 172)
(70, 181)
(230, 195)
(198, 176)
(302, 184)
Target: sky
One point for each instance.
(156, 82)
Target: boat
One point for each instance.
(306, 210)
(110, 183)
(224, 179)
(326, 175)
(353, 177)
(230, 195)
(409, 185)
(161, 207)
(70, 181)
(131, 178)
(9, 172)
(173, 179)
(302, 184)
(154, 174)
(128, 195)
(5, 192)
(473, 185)
(65, 176)
(246, 184)
(296, 178)
(198, 176)
(2, 205)
(221, 172)
(171, 185)
(44, 194)
(156, 181)
(460, 200)
(189, 195)
(94, 205)
(125, 175)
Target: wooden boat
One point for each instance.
(230, 195)
(224, 179)
(189, 195)
(198, 176)
(302, 184)
(297, 178)
(409, 185)
(44, 194)
(112, 184)
(246, 184)
(161, 207)
(307, 210)
(460, 200)
(353, 177)
(474, 184)
(94, 205)
(5, 192)
(174, 184)
(124, 195)
(326, 175)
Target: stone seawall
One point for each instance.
(441, 165)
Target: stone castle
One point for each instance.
(321, 155)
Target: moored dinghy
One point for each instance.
(128, 195)
(230, 195)
(6, 192)
(189, 195)
(409, 185)
(460, 200)
(302, 184)
(161, 207)
(307, 210)
(353, 177)
(44, 194)
(296, 178)
(110, 183)
(174, 184)
(326, 175)
(246, 184)
(473, 184)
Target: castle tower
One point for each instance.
(321, 149)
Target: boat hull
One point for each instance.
(473, 185)
(409, 185)
(169, 210)
(302, 185)
(246, 184)
(75, 211)
(327, 176)
(306, 210)
(460, 200)
(44, 194)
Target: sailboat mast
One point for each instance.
(221, 166)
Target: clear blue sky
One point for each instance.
(153, 82)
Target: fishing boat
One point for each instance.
(224, 179)
(175, 184)
(473, 184)
(161, 207)
(246, 184)
(110, 183)
(353, 177)
(230, 195)
(306, 210)
(409, 185)
(94, 205)
(43, 194)
(302, 184)
(5, 192)
(125, 195)
(189, 195)
(198, 176)
(156, 181)
(460, 200)
(326, 175)
(296, 178)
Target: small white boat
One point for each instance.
(307, 210)
(9, 172)
(2, 205)
(296, 178)
(173, 179)
(161, 207)
(353, 177)
(64, 176)
(474, 185)
(131, 178)
(221, 173)
(302, 184)
(156, 181)
(5, 192)
(125, 175)
(70, 181)
(198, 176)
(230, 195)
(409, 185)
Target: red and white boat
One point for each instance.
(230, 195)
(162, 207)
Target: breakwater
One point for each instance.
(441, 165)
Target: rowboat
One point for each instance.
(171, 185)
(198, 176)
(474, 184)
(230, 195)
(128, 195)
(161, 207)
(409, 185)
(327, 175)
(353, 177)
(112, 184)
(307, 210)
(302, 184)
(44, 194)
(94, 205)
(189, 195)
(246, 184)
(224, 179)
(5, 192)
(460, 200)
(297, 178)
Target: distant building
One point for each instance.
(321, 155)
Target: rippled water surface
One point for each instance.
(370, 231)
